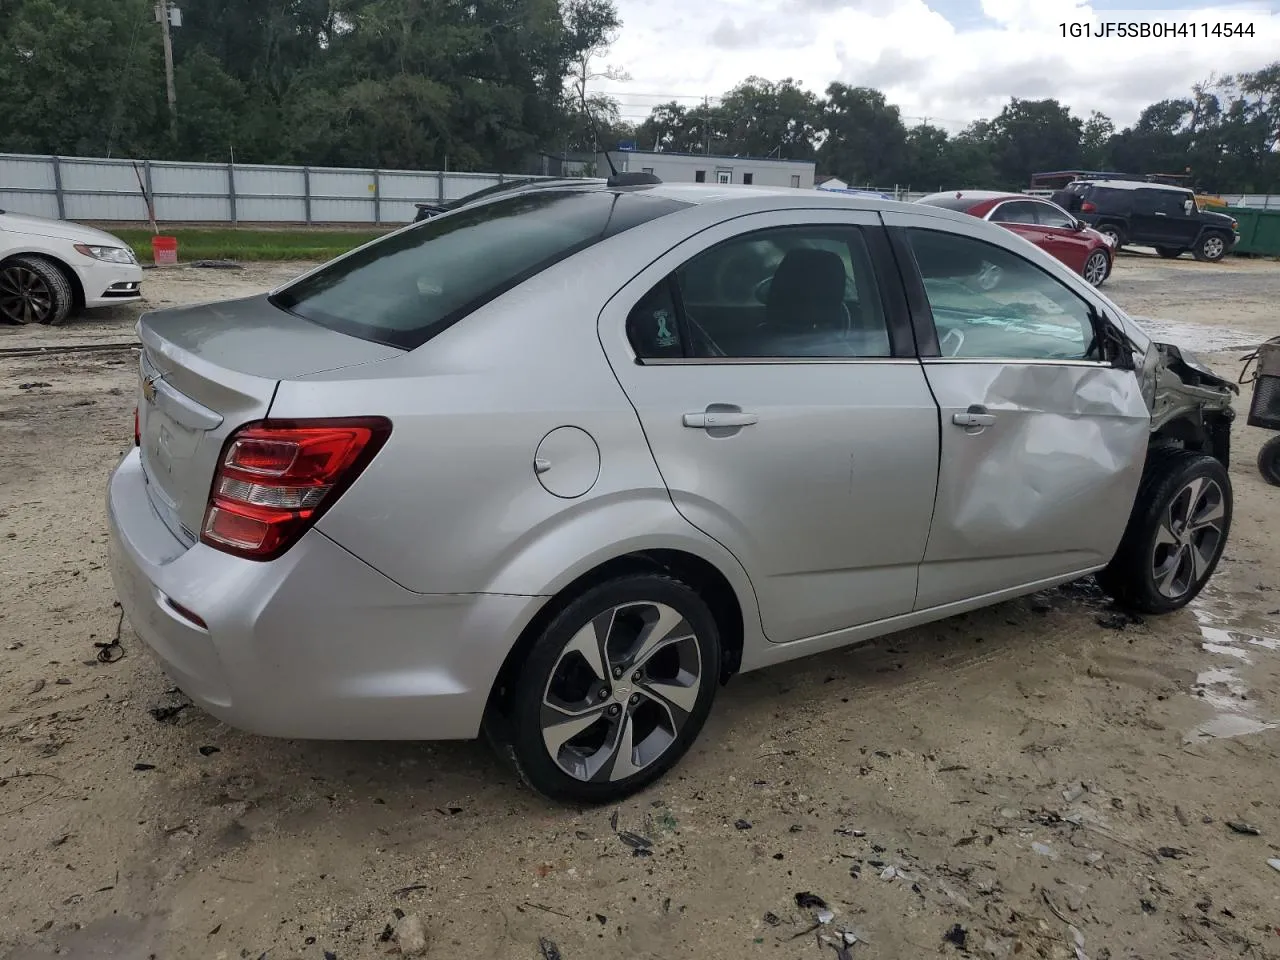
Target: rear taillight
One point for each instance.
(1088, 207)
(137, 429)
(276, 478)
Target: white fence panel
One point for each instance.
(111, 206)
(23, 173)
(341, 211)
(32, 204)
(271, 210)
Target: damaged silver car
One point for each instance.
(555, 465)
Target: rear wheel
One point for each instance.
(1096, 268)
(1114, 232)
(33, 290)
(1269, 461)
(1171, 253)
(614, 690)
(1211, 248)
(1176, 533)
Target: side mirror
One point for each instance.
(1080, 225)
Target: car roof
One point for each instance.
(1129, 185)
(968, 199)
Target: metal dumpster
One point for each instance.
(1259, 231)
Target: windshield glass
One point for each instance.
(406, 288)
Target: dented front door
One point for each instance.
(1043, 443)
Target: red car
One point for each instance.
(1045, 224)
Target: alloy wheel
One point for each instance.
(621, 691)
(1214, 248)
(1189, 538)
(25, 297)
(1095, 268)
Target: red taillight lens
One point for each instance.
(275, 479)
(1088, 207)
(137, 429)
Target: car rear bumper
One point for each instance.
(316, 644)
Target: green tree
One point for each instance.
(1030, 136)
(866, 141)
(765, 119)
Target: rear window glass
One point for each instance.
(405, 289)
(949, 201)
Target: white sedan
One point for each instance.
(50, 269)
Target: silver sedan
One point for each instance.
(556, 464)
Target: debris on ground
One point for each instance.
(1074, 792)
(635, 841)
(411, 935)
(1238, 826)
(1044, 850)
(889, 873)
(167, 714)
(33, 385)
(1172, 853)
(216, 265)
(810, 901)
(957, 936)
(144, 766)
(1119, 620)
(35, 688)
(112, 650)
(208, 751)
(549, 949)
(742, 824)
(771, 919)
(1274, 864)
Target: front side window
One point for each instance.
(1015, 211)
(406, 288)
(1168, 203)
(989, 303)
(1048, 215)
(785, 292)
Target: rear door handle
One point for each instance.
(973, 419)
(706, 421)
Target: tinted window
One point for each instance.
(1047, 215)
(1016, 211)
(406, 288)
(788, 292)
(1111, 200)
(990, 303)
(652, 327)
(1168, 203)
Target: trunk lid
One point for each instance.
(206, 371)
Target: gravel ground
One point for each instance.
(1044, 778)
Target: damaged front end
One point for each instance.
(1190, 404)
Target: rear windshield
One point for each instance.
(405, 289)
(949, 201)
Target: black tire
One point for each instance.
(1155, 537)
(1211, 248)
(1113, 230)
(1171, 253)
(34, 290)
(1269, 461)
(552, 667)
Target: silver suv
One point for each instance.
(557, 464)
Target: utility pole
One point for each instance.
(164, 14)
(706, 125)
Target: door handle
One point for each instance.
(973, 418)
(726, 418)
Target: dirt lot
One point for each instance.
(1055, 779)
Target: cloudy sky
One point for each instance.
(951, 61)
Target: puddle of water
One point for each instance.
(1222, 688)
(1197, 337)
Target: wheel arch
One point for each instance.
(73, 278)
(1198, 432)
(704, 577)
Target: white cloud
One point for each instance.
(922, 61)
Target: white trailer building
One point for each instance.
(709, 168)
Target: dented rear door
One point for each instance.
(1043, 443)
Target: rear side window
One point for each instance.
(405, 289)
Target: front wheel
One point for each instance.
(614, 690)
(1269, 461)
(33, 290)
(1176, 533)
(1096, 268)
(1210, 248)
